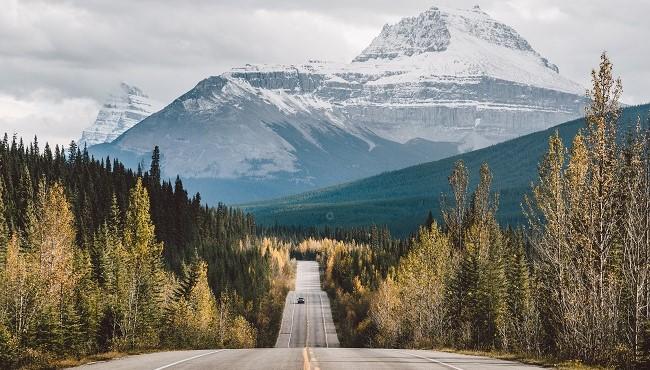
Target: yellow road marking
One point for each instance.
(305, 357)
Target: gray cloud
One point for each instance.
(75, 51)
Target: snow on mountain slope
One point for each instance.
(430, 86)
(122, 110)
(462, 43)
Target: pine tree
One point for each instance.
(549, 228)
(385, 311)
(82, 319)
(4, 228)
(242, 334)
(192, 318)
(636, 242)
(519, 330)
(9, 352)
(19, 292)
(576, 219)
(422, 277)
(455, 216)
(604, 208)
(76, 277)
(476, 297)
(144, 271)
(26, 214)
(155, 166)
(53, 241)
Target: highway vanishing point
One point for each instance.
(307, 340)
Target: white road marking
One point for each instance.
(291, 328)
(323, 315)
(187, 359)
(433, 360)
(307, 339)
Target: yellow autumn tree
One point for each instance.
(192, 319)
(241, 333)
(144, 276)
(53, 241)
(50, 259)
(422, 277)
(589, 222)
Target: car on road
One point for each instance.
(301, 300)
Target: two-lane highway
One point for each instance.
(307, 340)
(309, 324)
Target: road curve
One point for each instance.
(307, 340)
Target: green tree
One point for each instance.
(20, 292)
(192, 318)
(581, 216)
(455, 216)
(110, 270)
(26, 213)
(53, 244)
(635, 258)
(520, 319)
(422, 277)
(155, 166)
(476, 294)
(144, 275)
(4, 227)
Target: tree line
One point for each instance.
(96, 257)
(571, 285)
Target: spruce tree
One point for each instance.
(518, 318)
(155, 166)
(53, 241)
(4, 228)
(144, 271)
(455, 216)
(26, 213)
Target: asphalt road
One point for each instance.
(307, 340)
(309, 324)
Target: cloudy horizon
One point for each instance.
(61, 58)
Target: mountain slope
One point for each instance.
(121, 111)
(401, 199)
(428, 87)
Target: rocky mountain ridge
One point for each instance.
(122, 110)
(428, 87)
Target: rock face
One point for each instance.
(427, 87)
(121, 111)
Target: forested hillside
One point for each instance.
(95, 257)
(573, 284)
(402, 199)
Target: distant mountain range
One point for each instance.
(123, 109)
(428, 87)
(402, 199)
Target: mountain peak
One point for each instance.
(429, 86)
(123, 109)
(132, 90)
(435, 29)
(412, 35)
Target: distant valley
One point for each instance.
(402, 199)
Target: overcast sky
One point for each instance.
(59, 59)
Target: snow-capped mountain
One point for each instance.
(428, 87)
(122, 110)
